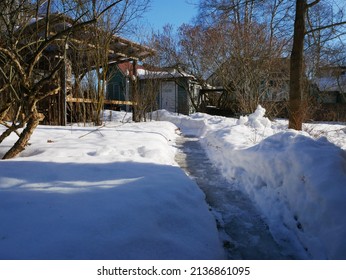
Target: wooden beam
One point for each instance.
(88, 100)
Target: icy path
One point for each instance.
(244, 233)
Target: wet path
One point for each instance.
(244, 233)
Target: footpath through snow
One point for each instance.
(296, 182)
(242, 229)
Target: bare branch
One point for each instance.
(15, 62)
(325, 27)
(313, 3)
(108, 8)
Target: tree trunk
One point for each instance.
(296, 67)
(24, 137)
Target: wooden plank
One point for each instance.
(108, 102)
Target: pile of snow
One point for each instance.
(256, 120)
(296, 181)
(114, 192)
(195, 126)
(118, 116)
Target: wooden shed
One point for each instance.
(87, 55)
(159, 88)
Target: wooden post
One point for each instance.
(135, 115)
(63, 93)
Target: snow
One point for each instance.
(116, 192)
(331, 83)
(297, 187)
(298, 182)
(111, 193)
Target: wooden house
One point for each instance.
(330, 90)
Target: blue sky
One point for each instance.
(175, 12)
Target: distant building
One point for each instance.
(159, 88)
(331, 84)
(330, 91)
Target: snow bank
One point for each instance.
(139, 142)
(103, 211)
(194, 126)
(298, 183)
(116, 116)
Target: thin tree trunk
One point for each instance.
(296, 68)
(7, 133)
(24, 137)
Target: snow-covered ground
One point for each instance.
(117, 193)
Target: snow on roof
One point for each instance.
(163, 74)
(144, 73)
(34, 20)
(331, 82)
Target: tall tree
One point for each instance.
(296, 115)
(247, 55)
(296, 66)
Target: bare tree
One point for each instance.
(181, 51)
(247, 54)
(303, 7)
(34, 40)
(148, 89)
